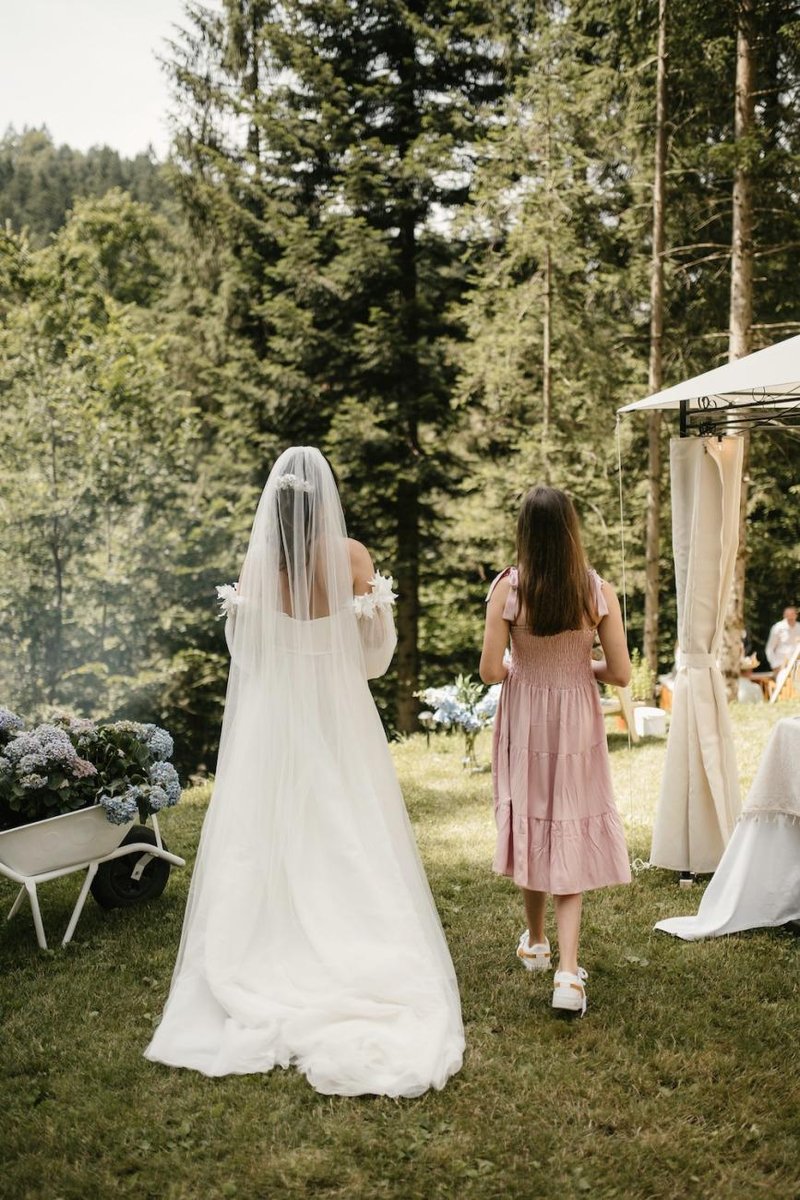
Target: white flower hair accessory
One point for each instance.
(379, 596)
(292, 482)
(228, 597)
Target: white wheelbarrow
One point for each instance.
(124, 864)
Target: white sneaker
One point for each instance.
(569, 992)
(533, 958)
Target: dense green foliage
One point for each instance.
(677, 1083)
(40, 181)
(416, 235)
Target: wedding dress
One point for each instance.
(310, 936)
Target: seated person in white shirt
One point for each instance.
(783, 637)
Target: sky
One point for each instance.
(87, 70)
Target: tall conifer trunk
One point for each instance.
(655, 372)
(741, 307)
(547, 331)
(56, 639)
(547, 302)
(408, 383)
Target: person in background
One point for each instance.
(783, 637)
(749, 692)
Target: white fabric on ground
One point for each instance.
(757, 883)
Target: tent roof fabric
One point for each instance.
(769, 377)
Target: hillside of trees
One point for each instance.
(418, 236)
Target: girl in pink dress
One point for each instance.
(558, 829)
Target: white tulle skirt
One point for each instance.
(311, 937)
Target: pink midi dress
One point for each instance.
(558, 829)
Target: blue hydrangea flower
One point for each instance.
(30, 762)
(9, 722)
(164, 776)
(159, 743)
(158, 799)
(120, 810)
(469, 722)
(451, 711)
(486, 707)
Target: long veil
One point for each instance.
(310, 934)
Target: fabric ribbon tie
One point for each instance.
(697, 661)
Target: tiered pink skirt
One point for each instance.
(558, 829)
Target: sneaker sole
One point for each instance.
(567, 1002)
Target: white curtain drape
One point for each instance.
(699, 800)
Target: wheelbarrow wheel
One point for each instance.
(115, 884)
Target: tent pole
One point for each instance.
(685, 878)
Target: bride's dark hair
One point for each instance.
(554, 587)
(290, 514)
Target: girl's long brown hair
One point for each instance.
(554, 589)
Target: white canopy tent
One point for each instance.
(764, 386)
(699, 799)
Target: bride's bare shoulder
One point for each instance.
(361, 568)
(357, 550)
(360, 561)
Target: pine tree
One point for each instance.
(332, 202)
(655, 374)
(549, 318)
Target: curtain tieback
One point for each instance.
(697, 661)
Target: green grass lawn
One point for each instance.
(682, 1081)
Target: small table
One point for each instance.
(757, 883)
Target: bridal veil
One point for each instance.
(310, 936)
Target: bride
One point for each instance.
(310, 936)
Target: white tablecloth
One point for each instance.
(757, 882)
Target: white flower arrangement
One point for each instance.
(379, 596)
(292, 482)
(228, 597)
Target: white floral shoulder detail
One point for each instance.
(228, 598)
(380, 596)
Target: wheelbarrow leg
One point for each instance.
(37, 916)
(78, 909)
(15, 907)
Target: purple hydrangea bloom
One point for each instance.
(83, 769)
(40, 747)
